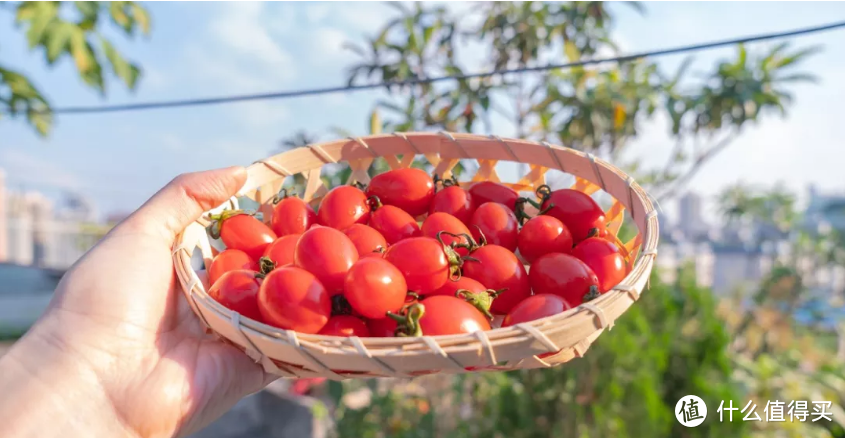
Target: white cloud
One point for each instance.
(24, 168)
(316, 12)
(328, 43)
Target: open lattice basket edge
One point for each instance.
(290, 354)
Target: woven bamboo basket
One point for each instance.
(567, 335)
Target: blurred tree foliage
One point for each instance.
(63, 30)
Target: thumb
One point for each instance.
(182, 201)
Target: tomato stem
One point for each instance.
(374, 202)
(544, 192)
(592, 294)
(266, 265)
(283, 193)
(593, 232)
(359, 185)
(217, 220)
(480, 300)
(408, 321)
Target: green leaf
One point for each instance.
(571, 51)
(119, 16)
(142, 17)
(123, 69)
(58, 41)
(42, 16)
(90, 11)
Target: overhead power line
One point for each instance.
(351, 88)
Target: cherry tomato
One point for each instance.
(565, 276)
(423, 263)
(409, 189)
(463, 283)
(365, 239)
(543, 235)
(604, 258)
(437, 222)
(245, 232)
(393, 223)
(229, 260)
(450, 316)
(578, 211)
(536, 307)
(238, 291)
(382, 328)
(328, 254)
(344, 206)
(374, 287)
(345, 325)
(498, 224)
(489, 191)
(498, 268)
(453, 200)
(282, 250)
(291, 215)
(294, 299)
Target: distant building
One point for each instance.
(690, 218)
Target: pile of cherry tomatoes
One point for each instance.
(411, 255)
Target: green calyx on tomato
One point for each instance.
(374, 203)
(359, 185)
(283, 194)
(218, 219)
(480, 300)
(448, 182)
(592, 294)
(455, 259)
(265, 265)
(408, 320)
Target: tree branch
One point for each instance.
(699, 161)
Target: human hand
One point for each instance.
(119, 351)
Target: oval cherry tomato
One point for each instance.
(498, 224)
(409, 189)
(578, 211)
(450, 316)
(565, 276)
(345, 325)
(282, 250)
(536, 307)
(393, 223)
(604, 258)
(422, 261)
(291, 215)
(294, 299)
(238, 291)
(453, 200)
(437, 222)
(498, 268)
(229, 260)
(246, 233)
(382, 328)
(328, 254)
(374, 287)
(463, 283)
(344, 206)
(365, 238)
(543, 235)
(489, 191)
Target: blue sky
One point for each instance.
(209, 49)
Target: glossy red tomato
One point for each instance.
(565, 276)
(543, 235)
(292, 215)
(374, 287)
(409, 189)
(229, 260)
(365, 238)
(423, 263)
(282, 250)
(604, 258)
(498, 268)
(463, 283)
(344, 206)
(238, 291)
(328, 254)
(498, 224)
(382, 328)
(345, 325)
(489, 191)
(450, 316)
(246, 233)
(536, 307)
(437, 222)
(453, 200)
(578, 211)
(394, 223)
(294, 299)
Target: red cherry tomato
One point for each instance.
(423, 262)
(463, 283)
(344, 206)
(229, 260)
(409, 189)
(292, 215)
(382, 328)
(536, 307)
(437, 222)
(374, 287)
(294, 299)
(393, 223)
(246, 233)
(328, 254)
(604, 258)
(565, 276)
(578, 211)
(451, 316)
(453, 200)
(345, 325)
(498, 268)
(489, 191)
(238, 291)
(498, 224)
(366, 239)
(543, 235)
(282, 250)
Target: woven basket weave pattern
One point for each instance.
(571, 333)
